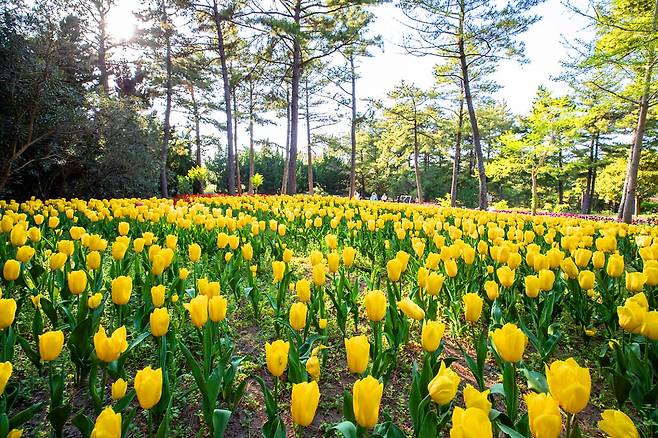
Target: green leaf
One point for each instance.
(25, 415)
(348, 406)
(536, 381)
(220, 419)
(509, 431)
(83, 424)
(347, 429)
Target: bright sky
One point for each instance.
(379, 73)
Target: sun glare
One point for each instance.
(121, 23)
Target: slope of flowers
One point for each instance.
(116, 302)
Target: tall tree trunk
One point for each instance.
(592, 193)
(230, 159)
(533, 201)
(483, 202)
(238, 183)
(284, 178)
(196, 186)
(586, 205)
(419, 191)
(457, 157)
(560, 183)
(251, 137)
(308, 142)
(168, 85)
(353, 129)
(634, 164)
(102, 47)
(294, 104)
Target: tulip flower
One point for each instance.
(505, 276)
(77, 282)
(119, 389)
(598, 259)
(491, 288)
(432, 334)
(148, 386)
(546, 279)
(569, 267)
(123, 228)
(394, 269)
(93, 260)
(631, 315)
(443, 387)
(198, 309)
(313, 367)
(617, 424)
(450, 267)
(159, 321)
(7, 312)
(18, 235)
(247, 251)
(651, 274)
(586, 280)
(11, 270)
(315, 257)
(472, 306)
(217, 307)
(108, 424)
(297, 316)
(278, 269)
(119, 250)
(434, 283)
(582, 256)
(50, 345)
(421, 277)
(6, 369)
(95, 300)
(635, 281)
(194, 252)
(411, 309)
(122, 288)
(276, 357)
(470, 423)
(649, 327)
(615, 266)
(331, 240)
(303, 290)
(367, 396)
(333, 261)
(109, 349)
(287, 255)
(158, 295)
(358, 353)
(510, 342)
(25, 253)
(375, 301)
(322, 323)
(476, 399)
(569, 384)
(543, 415)
(349, 255)
(319, 274)
(532, 286)
(304, 402)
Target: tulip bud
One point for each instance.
(148, 386)
(394, 269)
(119, 389)
(276, 357)
(123, 228)
(432, 334)
(434, 283)
(297, 317)
(319, 277)
(491, 288)
(505, 276)
(532, 286)
(470, 422)
(569, 384)
(278, 269)
(6, 368)
(217, 306)
(472, 306)
(304, 402)
(108, 424)
(411, 309)
(50, 345)
(247, 251)
(375, 302)
(77, 282)
(586, 280)
(366, 398)
(194, 252)
(159, 321)
(198, 309)
(303, 290)
(443, 387)
(158, 295)
(510, 342)
(122, 288)
(615, 266)
(349, 255)
(11, 270)
(543, 415)
(358, 353)
(93, 260)
(617, 424)
(333, 261)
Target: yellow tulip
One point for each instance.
(651, 274)
(434, 283)
(505, 276)
(148, 386)
(649, 327)
(349, 255)
(198, 309)
(77, 282)
(119, 389)
(476, 399)
(18, 433)
(470, 423)
(304, 402)
(598, 259)
(7, 312)
(50, 345)
(510, 342)
(278, 269)
(367, 396)
(358, 352)
(247, 251)
(586, 280)
(119, 250)
(491, 288)
(158, 295)
(432, 334)
(615, 266)
(93, 260)
(331, 240)
(313, 367)
(581, 257)
(394, 269)
(95, 300)
(443, 387)
(411, 309)
(635, 281)
(423, 273)
(6, 369)
(333, 261)
(322, 323)
(569, 384)
(108, 424)
(138, 245)
(159, 321)
(543, 415)
(34, 234)
(450, 267)
(24, 254)
(315, 257)
(319, 274)
(122, 288)
(546, 279)
(617, 424)
(297, 316)
(287, 255)
(109, 349)
(303, 290)
(171, 241)
(11, 270)
(123, 228)
(631, 315)
(276, 357)
(375, 301)
(472, 306)
(183, 273)
(18, 235)
(569, 267)
(194, 252)
(532, 286)
(217, 307)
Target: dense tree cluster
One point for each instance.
(85, 114)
